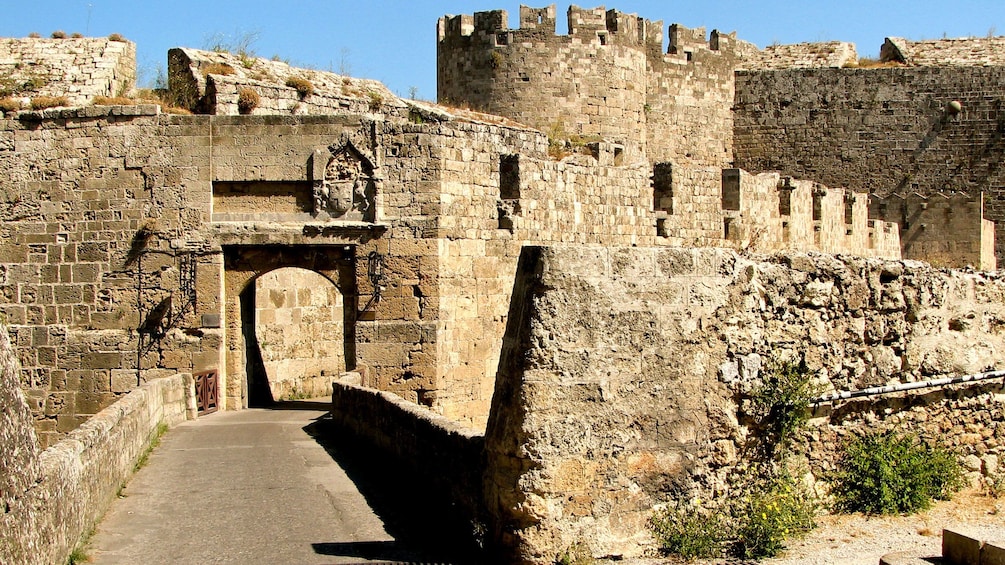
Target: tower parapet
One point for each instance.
(587, 85)
(608, 78)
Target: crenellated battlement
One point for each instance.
(609, 77)
(600, 25)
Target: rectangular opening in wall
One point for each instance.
(785, 201)
(785, 232)
(818, 202)
(603, 38)
(509, 177)
(731, 189)
(662, 183)
(261, 200)
(849, 208)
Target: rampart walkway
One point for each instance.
(250, 487)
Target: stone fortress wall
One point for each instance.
(79, 68)
(625, 371)
(138, 244)
(166, 204)
(884, 130)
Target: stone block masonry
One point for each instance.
(878, 130)
(52, 498)
(78, 68)
(621, 370)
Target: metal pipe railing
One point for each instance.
(874, 391)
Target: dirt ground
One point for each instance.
(857, 539)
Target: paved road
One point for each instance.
(246, 487)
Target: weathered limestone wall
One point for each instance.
(689, 97)
(301, 332)
(97, 209)
(19, 466)
(941, 229)
(78, 68)
(623, 370)
(429, 453)
(766, 213)
(209, 82)
(827, 54)
(53, 498)
(880, 130)
(964, 51)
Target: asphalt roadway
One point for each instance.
(257, 486)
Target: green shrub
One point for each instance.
(782, 402)
(58, 34)
(247, 100)
(891, 473)
(303, 86)
(755, 525)
(775, 510)
(689, 531)
(375, 101)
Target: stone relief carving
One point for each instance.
(347, 186)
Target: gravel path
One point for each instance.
(857, 539)
(861, 540)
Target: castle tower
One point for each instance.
(587, 85)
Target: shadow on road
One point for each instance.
(299, 405)
(424, 527)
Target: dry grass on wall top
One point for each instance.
(43, 102)
(247, 100)
(303, 86)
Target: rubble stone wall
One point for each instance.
(958, 52)
(78, 68)
(625, 371)
(881, 130)
(827, 54)
(52, 498)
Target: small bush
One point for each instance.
(247, 100)
(375, 101)
(9, 105)
(34, 35)
(578, 554)
(58, 34)
(303, 86)
(76, 35)
(782, 402)
(689, 531)
(43, 102)
(776, 510)
(891, 473)
(218, 69)
(116, 37)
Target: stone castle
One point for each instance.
(293, 225)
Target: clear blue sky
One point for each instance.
(395, 42)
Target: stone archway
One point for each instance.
(248, 283)
(298, 329)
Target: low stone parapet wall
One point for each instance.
(77, 479)
(426, 449)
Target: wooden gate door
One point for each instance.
(207, 391)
